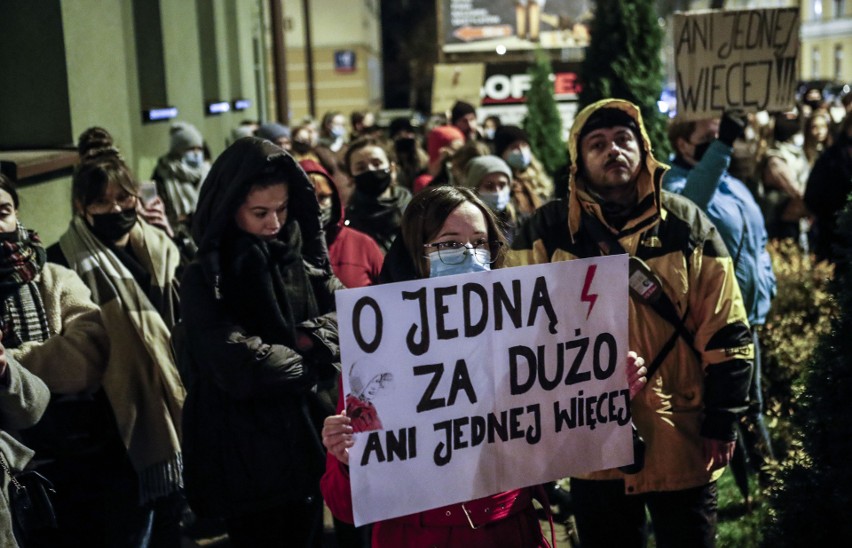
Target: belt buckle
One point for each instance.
(469, 519)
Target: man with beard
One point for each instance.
(700, 354)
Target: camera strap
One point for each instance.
(652, 294)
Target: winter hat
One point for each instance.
(400, 124)
(505, 136)
(608, 117)
(481, 166)
(184, 135)
(460, 110)
(440, 137)
(273, 131)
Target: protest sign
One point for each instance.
(735, 59)
(464, 386)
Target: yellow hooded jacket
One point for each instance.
(687, 399)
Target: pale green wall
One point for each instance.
(103, 90)
(46, 207)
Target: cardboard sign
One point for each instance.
(464, 386)
(735, 59)
(456, 82)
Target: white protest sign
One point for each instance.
(464, 386)
(735, 59)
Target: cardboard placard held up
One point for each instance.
(735, 60)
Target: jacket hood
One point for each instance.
(649, 181)
(337, 218)
(228, 183)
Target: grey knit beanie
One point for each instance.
(272, 131)
(481, 166)
(184, 135)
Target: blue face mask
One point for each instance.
(467, 262)
(193, 158)
(497, 201)
(519, 158)
(337, 131)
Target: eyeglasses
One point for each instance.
(104, 206)
(454, 252)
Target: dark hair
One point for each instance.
(426, 213)
(7, 185)
(680, 130)
(358, 144)
(94, 138)
(98, 168)
(327, 118)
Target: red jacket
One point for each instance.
(356, 259)
(506, 519)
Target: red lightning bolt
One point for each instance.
(587, 297)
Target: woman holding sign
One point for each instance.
(445, 230)
(260, 334)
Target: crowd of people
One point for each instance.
(174, 357)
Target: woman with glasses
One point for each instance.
(445, 230)
(130, 268)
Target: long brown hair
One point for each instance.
(428, 210)
(100, 164)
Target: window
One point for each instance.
(815, 60)
(34, 101)
(839, 8)
(838, 62)
(816, 9)
(150, 61)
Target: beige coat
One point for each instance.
(73, 359)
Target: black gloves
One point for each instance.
(732, 126)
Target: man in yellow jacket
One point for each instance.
(687, 413)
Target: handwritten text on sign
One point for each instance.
(735, 59)
(465, 386)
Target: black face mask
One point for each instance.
(111, 227)
(785, 128)
(700, 150)
(405, 146)
(374, 182)
(300, 147)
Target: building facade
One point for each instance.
(72, 65)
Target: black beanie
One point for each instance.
(608, 117)
(505, 136)
(460, 110)
(400, 124)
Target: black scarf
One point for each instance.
(378, 218)
(22, 315)
(265, 284)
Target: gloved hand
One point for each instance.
(732, 126)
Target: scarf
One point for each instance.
(141, 380)
(265, 284)
(379, 218)
(181, 184)
(22, 315)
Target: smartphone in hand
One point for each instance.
(147, 191)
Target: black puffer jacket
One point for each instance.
(251, 417)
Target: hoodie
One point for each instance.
(356, 258)
(697, 392)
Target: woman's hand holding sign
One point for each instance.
(337, 436)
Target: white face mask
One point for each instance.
(762, 118)
(798, 139)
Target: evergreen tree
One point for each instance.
(812, 495)
(543, 122)
(623, 61)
